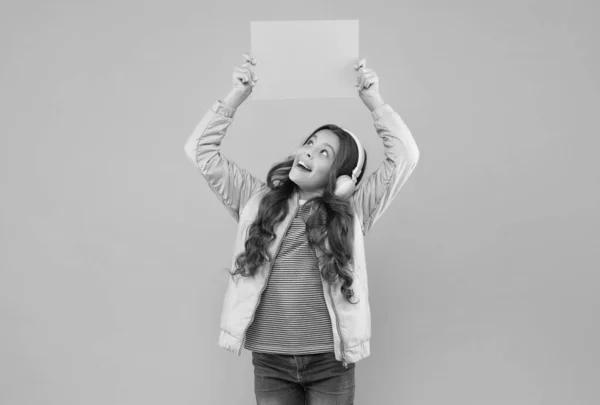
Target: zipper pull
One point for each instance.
(345, 364)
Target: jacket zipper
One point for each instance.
(268, 275)
(337, 321)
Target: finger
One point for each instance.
(363, 78)
(359, 84)
(366, 81)
(244, 78)
(365, 70)
(362, 71)
(244, 70)
(371, 81)
(368, 72)
(363, 84)
(360, 63)
(249, 58)
(247, 65)
(370, 75)
(247, 71)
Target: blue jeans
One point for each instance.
(312, 379)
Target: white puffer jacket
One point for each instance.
(241, 193)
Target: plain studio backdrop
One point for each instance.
(483, 273)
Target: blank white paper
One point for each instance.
(304, 59)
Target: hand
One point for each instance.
(244, 80)
(367, 84)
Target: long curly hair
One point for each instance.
(327, 218)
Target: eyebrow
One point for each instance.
(331, 147)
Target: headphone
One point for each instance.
(346, 185)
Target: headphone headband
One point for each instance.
(361, 157)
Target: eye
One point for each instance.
(310, 142)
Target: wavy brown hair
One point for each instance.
(327, 217)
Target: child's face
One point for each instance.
(318, 153)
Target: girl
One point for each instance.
(298, 294)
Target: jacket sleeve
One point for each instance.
(233, 185)
(375, 193)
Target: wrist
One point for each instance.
(373, 102)
(233, 99)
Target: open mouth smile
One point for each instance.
(303, 166)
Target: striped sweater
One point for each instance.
(292, 316)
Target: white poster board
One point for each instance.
(304, 59)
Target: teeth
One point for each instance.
(301, 163)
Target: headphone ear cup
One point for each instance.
(344, 187)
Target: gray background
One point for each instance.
(483, 273)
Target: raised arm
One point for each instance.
(375, 193)
(233, 185)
